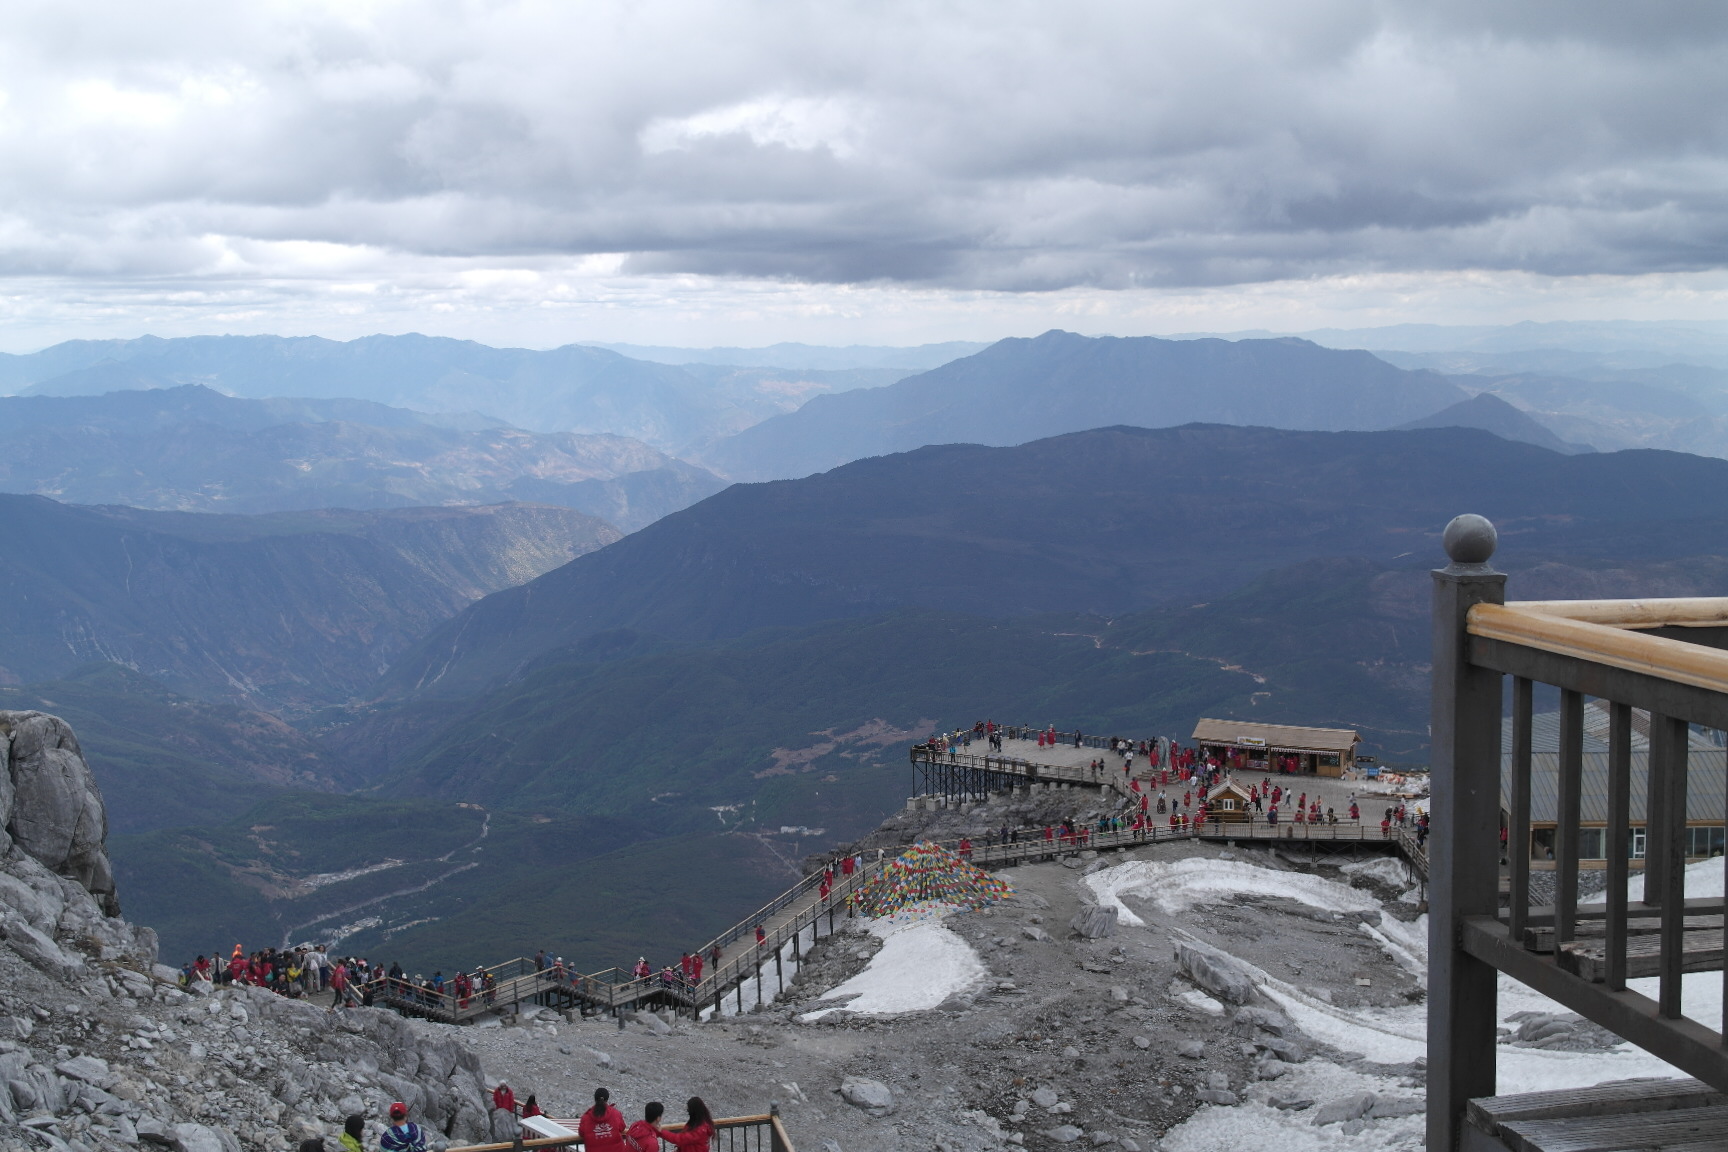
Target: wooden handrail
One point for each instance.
(1680, 612)
(1549, 631)
(720, 1123)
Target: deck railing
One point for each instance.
(762, 1133)
(973, 775)
(1661, 656)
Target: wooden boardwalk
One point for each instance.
(750, 974)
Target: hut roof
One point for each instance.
(1279, 737)
(1227, 785)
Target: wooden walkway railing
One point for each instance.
(952, 773)
(763, 1133)
(1661, 656)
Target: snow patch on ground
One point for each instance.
(1387, 870)
(1386, 1036)
(1254, 1125)
(1703, 879)
(921, 964)
(1176, 886)
(1200, 1002)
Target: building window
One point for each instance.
(1590, 844)
(1702, 842)
(1635, 849)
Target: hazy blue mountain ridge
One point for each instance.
(1021, 390)
(1489, 412)
(816, 357)
(575, 388)
(192, 448)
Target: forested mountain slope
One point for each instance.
(288, 609)
(1108, 521)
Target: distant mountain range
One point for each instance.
(1021, 390)
(575, 388)
(761, 658)
(1646, 342)
(189, 448)
(294, 609)
(1489, 412)
(806, 357)
(971, 544)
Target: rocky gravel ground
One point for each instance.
(1068, 1040)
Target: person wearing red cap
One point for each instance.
(403, 1135)
(602, 1126)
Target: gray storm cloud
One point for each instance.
(1003, 145)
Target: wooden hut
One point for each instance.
(1278, 747)
(1229, 802)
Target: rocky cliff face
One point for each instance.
(50, 808)
(101, 1050)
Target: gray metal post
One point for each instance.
(1464, 854)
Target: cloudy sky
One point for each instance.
(680, 171)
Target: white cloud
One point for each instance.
(771, 121)
(1162, 149)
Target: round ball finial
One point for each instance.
(1470, 539)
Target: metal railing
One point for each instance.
(1661, 656)
(762, 1133)
(976, 775)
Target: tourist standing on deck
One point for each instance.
(602, 1126)
(698, 1129)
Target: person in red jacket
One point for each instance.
(643, 1136)
(602, 1126)
(504, 1099)
(698, 1130)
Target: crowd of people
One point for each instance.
(352, 981)
(1165, 764)
(602, 1127)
